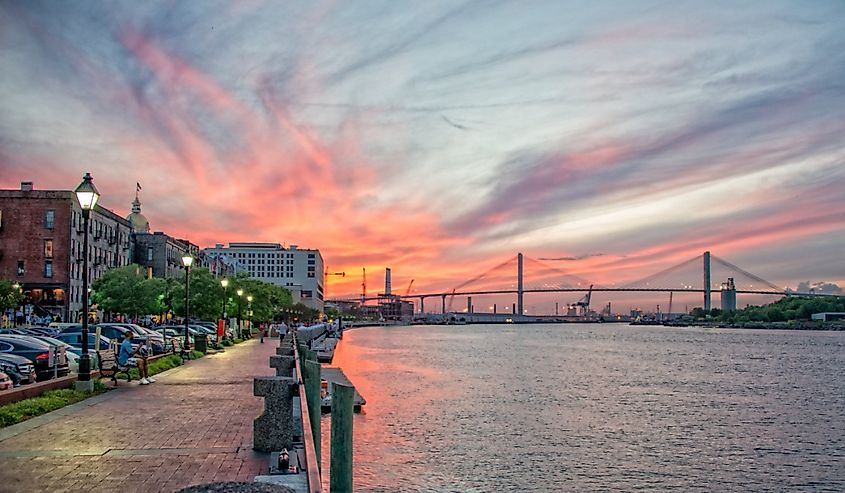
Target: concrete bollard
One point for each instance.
(273, 430)
(343, 402)
(284, 351)
(284, 365)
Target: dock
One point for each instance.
(324, 348)
(336, 375)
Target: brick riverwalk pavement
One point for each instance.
(193, 426)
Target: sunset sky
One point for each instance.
(615, 139)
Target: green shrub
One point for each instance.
(157, 366)
(226, 342)
(49, 401)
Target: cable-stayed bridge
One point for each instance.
(520, 275)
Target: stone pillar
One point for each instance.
(273, 430)
(284, 365)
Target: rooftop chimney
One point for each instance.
(26, 186)
(387, 280)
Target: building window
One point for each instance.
(21, 269)
(311, 255)
(311, 262)
(149, 254)
(48, 268)
(310, 274)
(48, 248)
(49, 218)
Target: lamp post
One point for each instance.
(87, 195)
(249, 313)
(187, 261)
(240, 319)
(225, 284)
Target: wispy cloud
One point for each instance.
(439, 139)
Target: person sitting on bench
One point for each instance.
(126, 357)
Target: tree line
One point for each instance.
(128, 291)
(790, 308)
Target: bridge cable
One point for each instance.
(553, 270)
(663, 272)
(745, 272)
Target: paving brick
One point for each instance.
(188, 428)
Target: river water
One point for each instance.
(595, 407)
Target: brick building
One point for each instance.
(163, 253)
(41, 247)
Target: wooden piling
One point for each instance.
(311, 376)
(343, 397)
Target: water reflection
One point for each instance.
(595, 407)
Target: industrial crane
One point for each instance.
(584, 303)
(408, 291)
(326, 275)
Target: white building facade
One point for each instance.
(299, 270)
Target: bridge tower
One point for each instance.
(707, 281)
(519, 292)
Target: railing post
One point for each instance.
(311, 376)
(343, 401)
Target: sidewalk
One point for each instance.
(193, 426)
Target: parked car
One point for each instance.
(109, 331)
(210, 334)
(13, 330)
(5, 381)
(21, 370)
(38, 352)
(154, 339)
(75, 341)
(59, 351)
(70, 352)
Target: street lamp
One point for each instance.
(87, 195)
(249, 312)
(225, 284)
(240, 319)
(187, 261)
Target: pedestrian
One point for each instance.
(261, 329)
(126, 357)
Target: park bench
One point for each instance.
(110, 367)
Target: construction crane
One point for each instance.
(326, 275)
(408, 291)
(364, 286)
(584, 303)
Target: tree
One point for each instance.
(698, 312)
(205, 296)
(126, 290)
(10, 296)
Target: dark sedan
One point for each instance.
(39, 353)
(75, 340)
(20, 369)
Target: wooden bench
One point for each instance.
(180, 350)
(110, 367)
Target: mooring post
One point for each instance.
(343, 401)
(311, 376)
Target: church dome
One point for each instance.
(138, 220)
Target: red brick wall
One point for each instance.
(23, 233)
